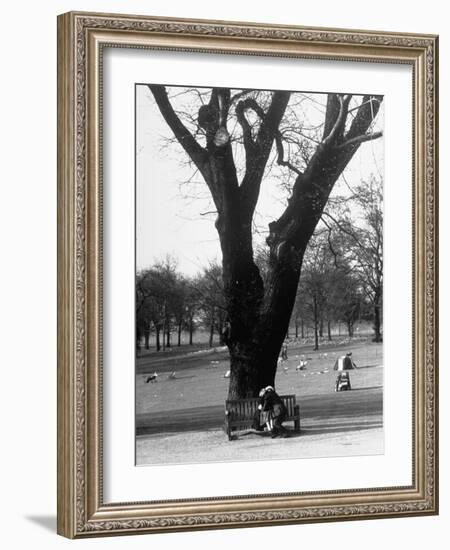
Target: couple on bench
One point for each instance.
(271, 413)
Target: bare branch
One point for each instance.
(188, 142)
(280, 151)
(361, 139)
(342, 228)
(207, 213)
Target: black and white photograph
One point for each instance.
(259, 274)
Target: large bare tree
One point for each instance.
(259, 311)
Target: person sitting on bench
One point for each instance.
(272, 404)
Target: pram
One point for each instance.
(343, 382)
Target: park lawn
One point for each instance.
(199, 377)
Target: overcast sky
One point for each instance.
(172, 209)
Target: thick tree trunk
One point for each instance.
(191, 331)
(220, 328)
(303, 328)
(211, 329)
(180, 325)
(296, 328)
(158, 340)
(261, 326)
(350, 328)
(168, 334)
(321, 327)
(138, 340)
(377, 317)
(316, 324)
(147, 335)
(329, 331)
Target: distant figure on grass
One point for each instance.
(342, 365)
(301, 365)
(152, 378)
(284, 352)
(273, 411)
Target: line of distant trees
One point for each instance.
(342, 272)
(169, 302)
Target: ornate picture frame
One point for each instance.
(82, 510)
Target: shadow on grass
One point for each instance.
(320, 413)
(181, 421)
(316, 429)
(367, 388)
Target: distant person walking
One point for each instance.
(284, 352)
(345, 362)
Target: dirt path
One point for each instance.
(211, 445)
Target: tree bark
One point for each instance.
(316, 323)
(158, 341)
(138, 340)
(220, 328)
(211, 328)
(350, 328)
(191, 331)
(329, 330)
(147, 334)
(168, 334)
(377, 317)
(180, 324)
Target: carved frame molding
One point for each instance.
(81, 37)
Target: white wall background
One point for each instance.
(28, 272)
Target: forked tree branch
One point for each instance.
(280, 152)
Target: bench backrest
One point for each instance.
(246, 408)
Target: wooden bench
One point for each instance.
(240, 413)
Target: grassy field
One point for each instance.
(174, 410)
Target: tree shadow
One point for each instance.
(314, 410)
(367, 388)
(180, 421)
(319, 429)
